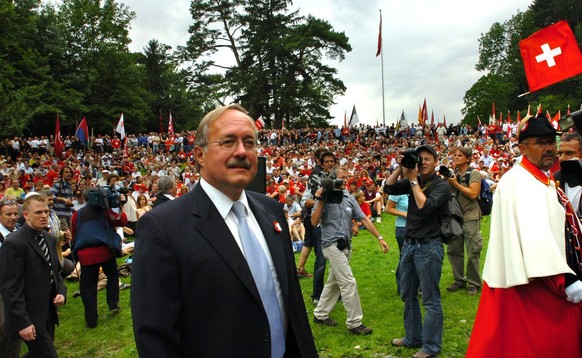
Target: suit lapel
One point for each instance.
(267, 223)
(212, 227)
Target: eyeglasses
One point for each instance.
(230, 144)
(542, 142)
(7, 202)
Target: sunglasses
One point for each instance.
(7, 202)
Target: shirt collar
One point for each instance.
(222, 202)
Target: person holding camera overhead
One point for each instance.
(96, 244)
(466, 184)
(334, 210)
(421, 260)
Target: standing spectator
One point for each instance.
(9, 347)
(31, 285)
(94, 239)
(532, 289)
(166, 190)
(421, 261)
(336, 241)
(204, 248)
(570, 174)
(63, 194)
(466, 185)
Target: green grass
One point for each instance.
(383, 310)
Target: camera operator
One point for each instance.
(466, 185)
(421, 260)
(334, 210)
(97, 245)
(570, 174)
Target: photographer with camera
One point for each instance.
(421, 260)
(97, 244)
(466, 185)
(334, 211)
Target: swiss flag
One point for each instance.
(550, 56)
(260, 123)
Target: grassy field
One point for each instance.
(375, 274)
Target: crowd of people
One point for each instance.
(152, 169)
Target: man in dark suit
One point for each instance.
(166, 190)
(193, 291)
(31, 284)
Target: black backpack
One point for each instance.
(485, 198)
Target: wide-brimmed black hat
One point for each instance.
(535, 127)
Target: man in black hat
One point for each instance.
(530, 301)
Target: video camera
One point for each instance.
(410, 159)
(105, 197)
(574, 119)
(333, 193)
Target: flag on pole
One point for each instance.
(345, 119)
(432, 119)
(379, 50)
(444, 120)
(550, 55)
(59, 145)
(121, 127)
(556, 121)
(260, 123)
(170, 125)
(282, 123)
(424, 113)
(82, 132)
(420, 116)
(354, 117)
(402, 124)
(508, 124)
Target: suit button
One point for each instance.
(267, 337)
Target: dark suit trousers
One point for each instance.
(88, 287)
(9, 347)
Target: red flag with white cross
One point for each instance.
(550, 55)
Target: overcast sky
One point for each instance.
(430, 49)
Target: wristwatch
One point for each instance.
(380, 237)
(413, 183)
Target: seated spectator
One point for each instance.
(361, 199)
(143, 205)
(293, 211)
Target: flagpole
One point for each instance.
(382, 64)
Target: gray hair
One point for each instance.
(166, 185)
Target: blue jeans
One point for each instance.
(319, 265)
(420, 267)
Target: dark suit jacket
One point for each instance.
(160, 199)
(193, 293)
(25, 281)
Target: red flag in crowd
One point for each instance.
(550, 55)
(59, 145)
(420, 122)
(379, 51)
(345, 119)
(260, 123)
(518, 117)
(493, 111)
(444, 120)
(508, 124)
(82, 132)
(424, 113)
(170, 125)
(432, 119)
(556, 121)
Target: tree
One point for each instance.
(275, 67)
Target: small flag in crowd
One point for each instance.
(354, 117)
(82, 132)
(260, 123)
(121, 127)
(59, 145)
(171, 125)
(550, 55)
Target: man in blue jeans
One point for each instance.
(421, 260)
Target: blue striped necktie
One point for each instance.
(261, 271)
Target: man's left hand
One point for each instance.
(59, 300)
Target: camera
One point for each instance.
(333, 190)
(446, 172)
(574, 119)
(104, 197)
(410, 159)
